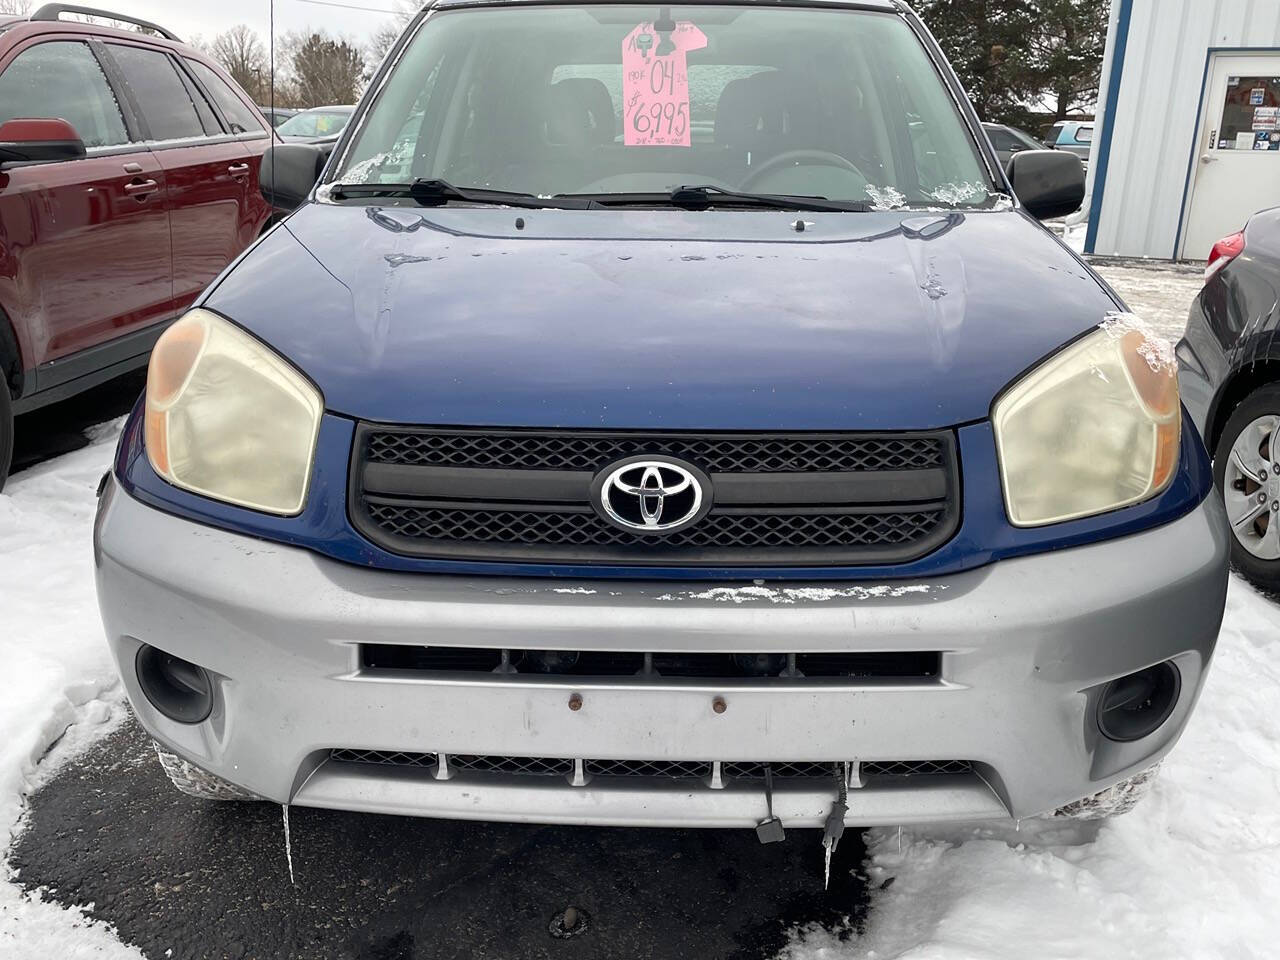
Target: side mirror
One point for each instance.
(289, 171)
(39, 141)
(1050, 183)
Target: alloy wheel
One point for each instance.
(1251, 487)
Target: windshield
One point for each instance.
(315, 123)
(612, 99)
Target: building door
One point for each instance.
(1237, 169)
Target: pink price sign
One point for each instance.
(655, 85)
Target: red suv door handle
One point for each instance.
(239, 171)
(141, 188)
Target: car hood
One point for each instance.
(661, 319)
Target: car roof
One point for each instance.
(334, 108)
(18, 29)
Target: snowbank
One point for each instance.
(1192, 873)
(58, 676)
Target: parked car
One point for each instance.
(319, 125)
(730, 447)
(1229, 365)
(277, 115)
(1009, 140)
(1072, 136)
(128, 180)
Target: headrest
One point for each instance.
(580, 111)
(752, 111)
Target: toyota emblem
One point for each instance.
(652, 495)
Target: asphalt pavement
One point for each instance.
(183, 878)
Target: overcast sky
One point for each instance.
(188, 18)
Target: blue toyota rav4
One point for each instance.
(664, 415)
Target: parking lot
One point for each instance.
(107, 837)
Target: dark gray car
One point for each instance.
(1010, 140)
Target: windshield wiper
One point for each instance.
(435, 193)
(701, 196)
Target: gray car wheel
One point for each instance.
(201, 784)
(1246, 468)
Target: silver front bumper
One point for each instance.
(1027, 644)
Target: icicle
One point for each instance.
(288, 846)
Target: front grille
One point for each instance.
(907, 666)
(791, 770)
(776, 500)
(584, 451)
(727, 531)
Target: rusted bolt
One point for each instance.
(718, 705)
(575, 701)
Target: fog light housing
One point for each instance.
(1132, 707)
(178, 689)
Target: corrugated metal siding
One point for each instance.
(1154, 127)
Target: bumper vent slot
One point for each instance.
(659, 769)
(911, 666)
(915, 768)
(777, 500)
(793, 770)
(516, 766)
(390, 758)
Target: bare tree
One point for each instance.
(15, 8)
(241, 51)
(326, 70)
(386, 35)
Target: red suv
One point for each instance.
(128, 181)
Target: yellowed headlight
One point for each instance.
(1092, 429)
(229, 419)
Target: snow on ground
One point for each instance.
(59, 683)
(1160, 293)
(1192, 872)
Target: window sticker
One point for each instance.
(655, 84)
(1250, 106)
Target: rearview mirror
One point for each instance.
(289, 171)
(1050, 183)
(39, 141)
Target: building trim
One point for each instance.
(1108, 122)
